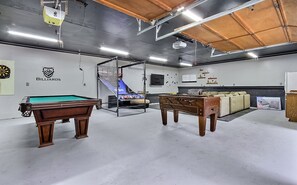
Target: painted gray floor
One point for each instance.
(259, 148)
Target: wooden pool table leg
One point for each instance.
(175, 114)
(164, 116)
(202, 124)
(81, 127)
(213, 122)
(45, 132)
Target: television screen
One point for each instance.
(157, 79)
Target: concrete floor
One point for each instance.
(257, 148)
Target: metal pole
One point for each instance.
(117, 78)
(110, 60)
(144, 84)
(97, 77)
(98, 91)
(193, 5)
(191, 25)
(249, 50)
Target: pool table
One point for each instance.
(200, 106)
(48, 109)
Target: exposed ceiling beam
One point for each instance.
(175, 14)
(202, 41)
(280, 15)
(123, 10)
(191, 25)
(162, 5)
(248, 50)
(220, 35)
(246, 28)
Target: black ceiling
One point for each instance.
(87, 28)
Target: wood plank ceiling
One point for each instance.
(146, 10)
(267, 23)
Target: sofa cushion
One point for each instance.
(224, 106)
(235, 93)
(236, 103)
(229, 95)
(246, 101)
(224, 92)
(205, 93)
(195, 92)
(219, 95)
(242, 93)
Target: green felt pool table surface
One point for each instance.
(55, 99)
(48, 109)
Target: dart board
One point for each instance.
(4, 72)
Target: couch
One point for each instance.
(224, 105)
(236, 102)
(230, 102)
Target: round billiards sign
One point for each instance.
(4, 72)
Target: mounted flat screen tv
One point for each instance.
(157, 79)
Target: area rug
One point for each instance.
(231, 117)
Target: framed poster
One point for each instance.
(189, 78)
(269, 103)
(6, 77)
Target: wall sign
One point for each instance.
(6, 77)
(48, 73)
(192, 78)
(212, 80)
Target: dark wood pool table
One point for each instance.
(200, 106)
(48, 109)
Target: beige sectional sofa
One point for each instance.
(236, 103)
(224, 105)
(246, 101)
(231, 102)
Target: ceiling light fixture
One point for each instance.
(158, 59)
(31, 36)
(253, 55)
(180, 9)
(114, 50)
(185, 64)
(192, 16)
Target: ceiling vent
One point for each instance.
(179, 45)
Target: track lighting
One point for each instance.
(158, 59)
(185, 64)
(114, 50)
(180, 9)
(31, 36)
(253, 55)
(191, 15)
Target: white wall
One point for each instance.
(263, 72)
(291, 81)
(133, 77)
(29, 64)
